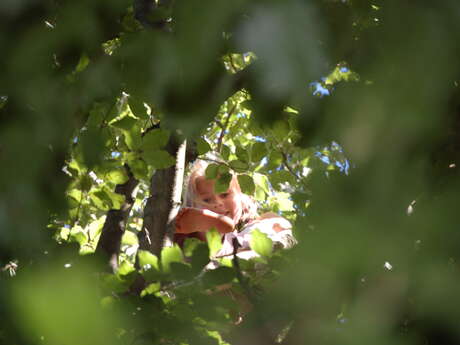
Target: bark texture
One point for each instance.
(160, 206)
(115, 223)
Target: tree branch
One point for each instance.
(115, 223)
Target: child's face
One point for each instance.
(227, 204)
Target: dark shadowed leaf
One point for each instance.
(222, 183)
(246, 183)
(202, 146)
(200, 257)
(219, 276)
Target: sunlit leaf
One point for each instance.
(147, 260)
(213, 238)
(260, 243)
(125, 268)
(159, 159)
(151, 289)
(169, 255)
(155, 139)
(117, 176)
(212, 171)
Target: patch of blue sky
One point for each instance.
(115, 154)
(343, 166)
(257, 138)
(319, 89)
(324, 158)
(343, 69)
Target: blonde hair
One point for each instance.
(248, 204)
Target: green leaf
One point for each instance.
(262, 182)
(169, 255)
(242, 154)
(137, 107)
(239, 166)
(275, 160)
(129, 238)
(281, 130)
(101, 200)
(281, 176)
(223, 169)
(117, 176)
(155, 139)
(92, 142)
(283, 202)
(258, 151)
(126, 124)
(219, 276)
(147, 260)
(214, 240)
(222, 183)
(75, 194)
(246, 183)
(225, 152)
(112, 282)
(77, 164)
(260, 243)
(202, 146)
(131, 131)
(116, 200)
(138, 166)
(77, 234)
(159, 159)
(95, 227)
(82, 63)
(125, 268)
(212, 171)
(85, 183)
(98, 114)
(151, 289)
(189, 245)
(181, 271)
(200, 257)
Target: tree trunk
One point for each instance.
(164, 201)
(115, 223)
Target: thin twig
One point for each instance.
(288, 167)
(232, 63)
(239, 273)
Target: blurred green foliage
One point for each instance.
(368, 175)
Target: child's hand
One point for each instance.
(191, 219)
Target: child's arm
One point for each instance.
(191, 219)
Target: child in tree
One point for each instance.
(232, 213)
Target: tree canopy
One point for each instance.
(341, 116)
